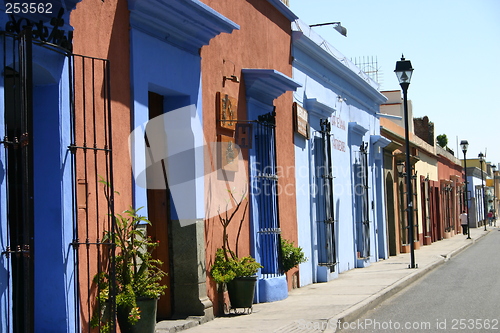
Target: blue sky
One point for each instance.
(454, 47)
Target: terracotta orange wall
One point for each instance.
(263, 41)
(395, 128)
(106, 36)
(447, 168)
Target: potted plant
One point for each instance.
(138, 276)
(291, 255)
(239, 274)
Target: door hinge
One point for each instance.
(23, 250)
(16, 142)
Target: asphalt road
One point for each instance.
(462, 295)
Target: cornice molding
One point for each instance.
(356, 128)
(378, 140)
(318, 109)
(187, 24)
(335, 65)
(284, 9)
(266, 85)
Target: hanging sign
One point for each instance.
(301, 120)
(227, 108)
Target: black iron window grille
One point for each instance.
(404, 229)
(461, 198)
(93, 192)
(414, 184)
(18, 111)
(479, 204)
(447, 205)
(362, 207)
(88, 96)
(426, 207)
(323, 196)
(403, 218)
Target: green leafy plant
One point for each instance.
(227, 266)
(138, 274)
(101, 315)
(442, 140)
(291, 254)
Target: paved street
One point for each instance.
(320, 307)
(461, 296)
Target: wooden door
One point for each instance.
(159, 215)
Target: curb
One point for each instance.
(172, 326)
(357, 310)
(460, 249)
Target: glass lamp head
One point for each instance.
(403, 70)
(464, 145)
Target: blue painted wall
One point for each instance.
(54, 261)
(4, 237)
(263, 86)
(53, 232)
(475, 202)
(333, 90)
(160, 68)
(165, 40)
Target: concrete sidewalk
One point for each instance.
(321, 307)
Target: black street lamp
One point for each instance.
(485, 208)
(493, 166)
(337, 26)
(403, 72)
(464, 144)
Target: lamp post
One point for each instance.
(337, 26)
(493, 166)
(464, 144)
(403, 72)
(485, 208)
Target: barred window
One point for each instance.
(361, 198)
(264, 190)
(323, 196)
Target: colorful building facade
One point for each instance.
(247, 84)
(338, 161)
(187, 108)
(437, 180)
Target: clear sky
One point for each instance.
(454, 48)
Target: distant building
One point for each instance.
(438, 182)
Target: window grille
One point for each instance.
(19, 170)
(265, 191)
(426, 210)
(447, 207)
(89, 144)
(361, 197)
(93, 192)
(416, 235)
(479, 204)
(325, 216)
